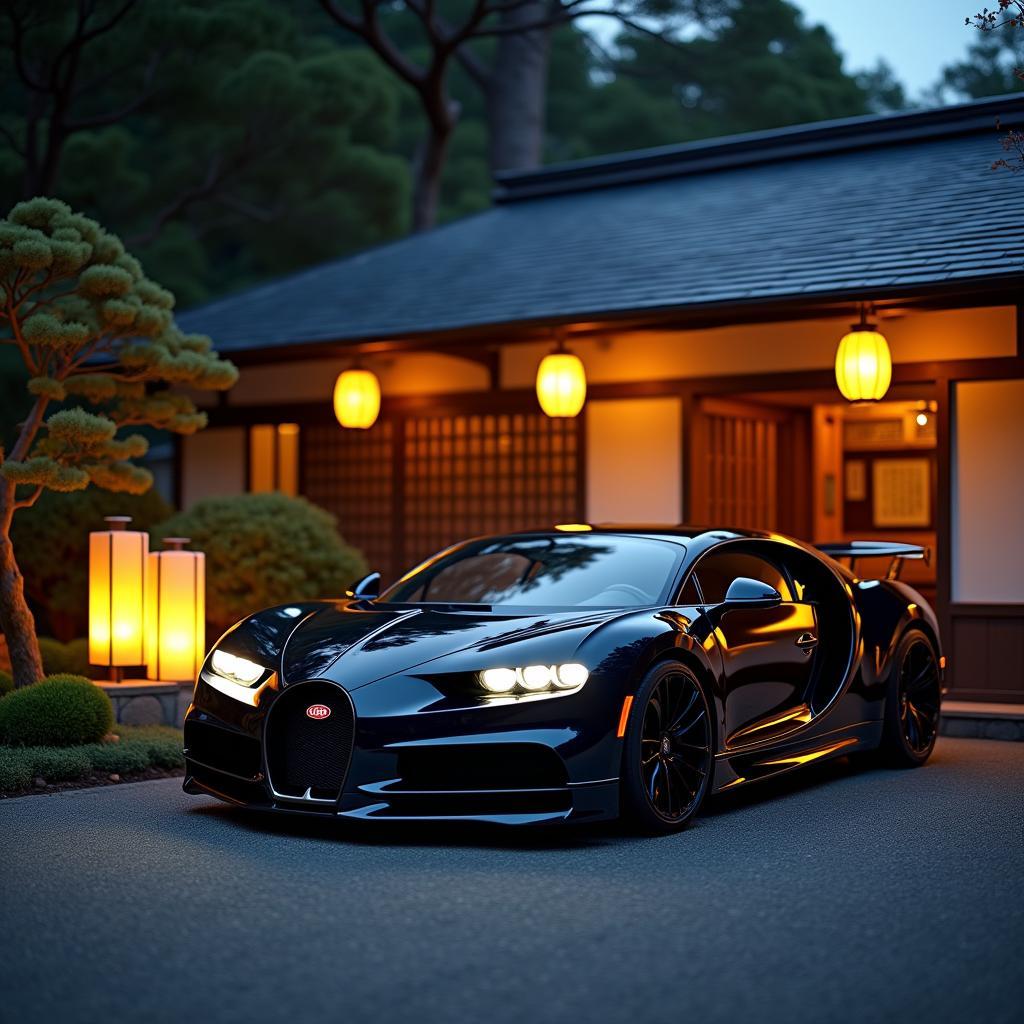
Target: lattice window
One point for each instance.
(458, 476)
(348, 472)
(487, 473)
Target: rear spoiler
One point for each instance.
(897, 553)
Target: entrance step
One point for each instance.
(979, 720)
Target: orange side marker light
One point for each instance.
(942, 662)
(624, 717)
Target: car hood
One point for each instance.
(357, 643)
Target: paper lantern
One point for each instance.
(117, 569)
(863, 364)
(357, 399)
(561, 384)
(175, 612)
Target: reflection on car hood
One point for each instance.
(358, 643)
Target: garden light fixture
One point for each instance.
(117, 595)
(175, 612)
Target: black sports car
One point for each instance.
(569, 675)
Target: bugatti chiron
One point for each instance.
(570, 675)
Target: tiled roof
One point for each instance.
(848, 208)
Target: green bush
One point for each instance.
(265, 549)
(16, 768)
(71, 658)
(6, 682)
(59, 711)
(140, 747)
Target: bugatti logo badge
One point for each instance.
(318, 711)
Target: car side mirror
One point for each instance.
(744, 592)
(367, 588)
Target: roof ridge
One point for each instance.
(787, 143)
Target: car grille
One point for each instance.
(307, 758)
(230, 752)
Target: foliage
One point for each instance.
(139, 748)
(52, 541)
(91, 326)
(6, 682)
(71, 658)
(264, 549)
(59, 711)
(225, 142)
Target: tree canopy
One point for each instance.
(93, 331)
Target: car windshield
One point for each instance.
(599, 570)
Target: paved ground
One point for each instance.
(875, 895)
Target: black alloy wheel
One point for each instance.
(912, 711)
(668, 751)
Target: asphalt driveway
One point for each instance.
(842, 894)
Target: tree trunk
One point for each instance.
(16, 619)
(517, 90)
(429, 167)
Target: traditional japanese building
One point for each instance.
(705, 289)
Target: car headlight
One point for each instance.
(238, 670)
(237, 677)
(534, 678)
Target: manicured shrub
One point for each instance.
(71, 658)
(60, 711)
(6, 682)
(58, 764)
(124, 757)
(16, 769)
(264, 549)
(139, 748)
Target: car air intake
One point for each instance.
(309, 734)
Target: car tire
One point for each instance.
(668, 751)
(912, 702)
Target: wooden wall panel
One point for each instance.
(986, 650)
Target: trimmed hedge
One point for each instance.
(60, 711)
(139, 748)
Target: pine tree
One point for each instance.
(91, 328)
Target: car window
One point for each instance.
(545, 571)
(690, 594)
(717, 569)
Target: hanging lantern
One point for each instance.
(561, 384)
(117, 568)
(357, 398)
(175, 612)
(863, 363)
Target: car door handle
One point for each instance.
(807, 642)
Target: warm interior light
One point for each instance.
(357, 399)
(863, 364)
(561, 384)
(922, 419)
(175, 612)
(117, 567)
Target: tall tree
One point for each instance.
(88, 326)
(450, 34)
(179, 124)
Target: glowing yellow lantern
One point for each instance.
(863, 364)
(117, 568)
(561, 384)
(175, 612)
(357, 399)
